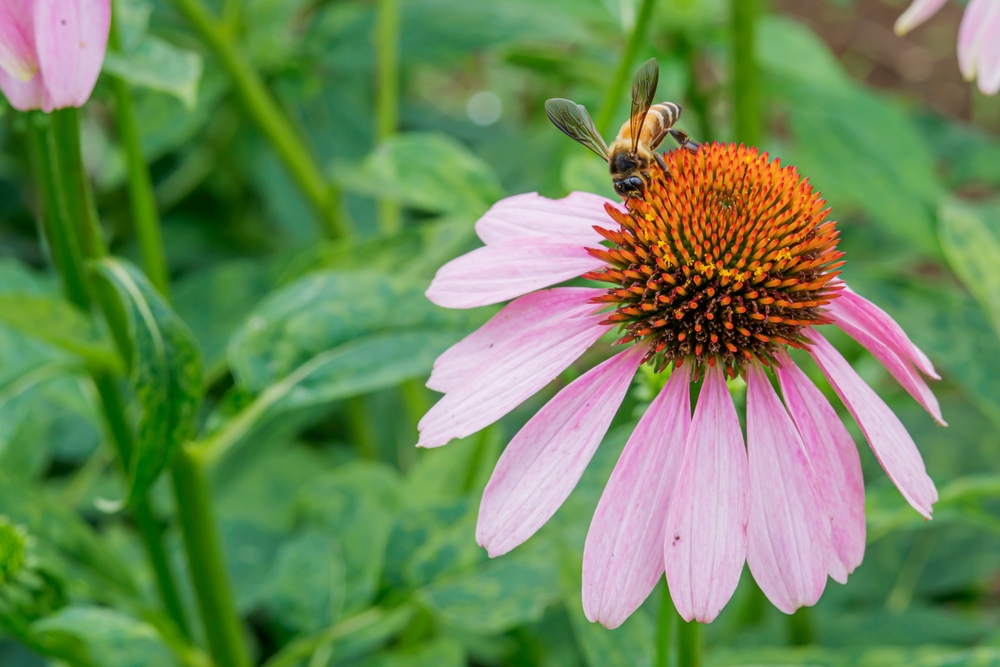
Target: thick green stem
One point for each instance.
(208, 571)
(272, 121)
(616, 90)
(694, 93)
(746, 104)
(688, 644)
(801, 630)
(58, 171)
(387, 101)
(142, 199)
(664, 628)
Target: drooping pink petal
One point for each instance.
(989, 56)
(705, 538)
(835, 461)
(882, 326)
(23, 95)
(17, 40)
(508, 269)
(544, 461)
(623, 557)
(71, 37)
(543, 312)
(917, 13)
(572, 217)
(891, 444)
(861, 330)
(528, 362)
(788, 534)
(973, 33)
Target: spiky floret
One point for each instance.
(726, 257)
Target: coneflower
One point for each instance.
(727, 261)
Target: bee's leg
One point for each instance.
(683, 139)
(659, 161)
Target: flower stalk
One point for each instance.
(269, 117)
(616, 89)
(746, 105)
(664, 628)
(688, 643)
(387, 27)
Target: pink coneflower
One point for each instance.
(722, 266)
(978, 38)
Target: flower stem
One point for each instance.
(744, 69)
(801, 631)
(387, 101)
(617, 88)
(205, 562)
(211, 583)
(145, 218)
(57, 224)
(272, 121)
(664, 628)
(688, 644)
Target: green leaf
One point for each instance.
(788, 50)
(875, 657)
(165, 374)
(111, 637)
(499, 594)
(437, 653)
(132, 21)
(970, 237)
(429, 172)
(306, 589)
(160, 66)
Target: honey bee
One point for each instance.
(634, 149)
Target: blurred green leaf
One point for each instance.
(584, 172)
(305, 591)
(111, 637)
(437, 653)
(165, 374)
(160, 66)
(429, 172)
(875, 657)
(499, 594)
(789, 51)
(970, 237)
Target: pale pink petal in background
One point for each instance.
(788, 534)
(507, 270)
(891, 444)
(917, 13)
(23, 95)
(836, 464)
(545, 460)
(572, 217)
(972, 33)
(71, 37)
(989, 55)
(17, 40)
(541, 311)
(528, 362)
(623, 556)
(706, 540)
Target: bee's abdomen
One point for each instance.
(666, 113)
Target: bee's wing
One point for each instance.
(643, 89)
(573, 119)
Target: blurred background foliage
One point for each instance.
(346, 545)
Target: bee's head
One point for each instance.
(633, 186)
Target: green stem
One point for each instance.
(272, 121)
(801, 630)
(58, 224)
(753, 608)
(145, 218)
(695, 95)
(746, 104)
(688, 644)
(387, 102)
(208, 571)
(664, 628)
(616, 90)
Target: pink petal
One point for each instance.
(989, 56)
(507, 270)
(71, 37)
(706, 538)
(572, 217)
(543, 312)
(973, 33)
(917, 13)
(22, 95)
(544, 461)
(892, 445)
(879, 324)
(17, 39)
(528, 362)
(835, 462)
(623, 557)
(862, 330)
(788, 534)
